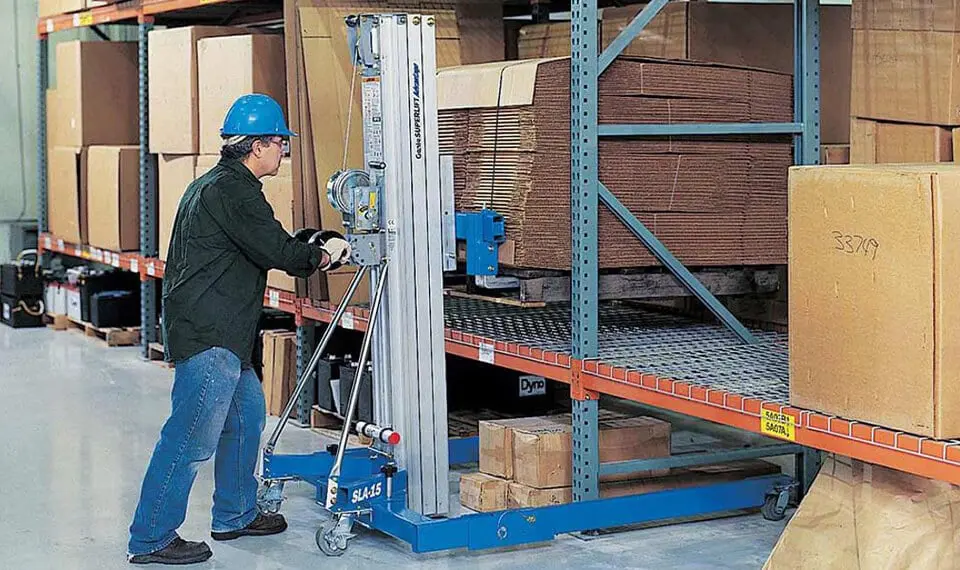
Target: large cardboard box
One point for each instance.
(67, 193)
(278, 190)
(835, 154)
(174, 97)
(496, 443)
(98, 86)
(47, 8)
(879, 142)
(279, 369)
(858, 515)
(233, 66)
(874, 318)
(916, 15)
(113, 197)
(543, 456)
(205, 163)
(483, 493)
(911, 77)
(174, 174)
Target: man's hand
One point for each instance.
(334, 246)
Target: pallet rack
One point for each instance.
(703, 371)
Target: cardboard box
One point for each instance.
(874, 250)
(113, 197)
(908, 15)
(233, 66)
(543, 456)
(751, 35)
(174, 97)
(278, 190)
(483, 493)
(496, 444)
(205, 163)
(339, 281)
(279, 369)
(876, 142)
(911, 77)
(174, 174)
(98, 85)
(67, 193)
(858, 515)
(522, 496)
(47, 8)
(835, 154)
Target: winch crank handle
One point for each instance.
(355, 389)
(315, 359)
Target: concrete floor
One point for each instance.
(79, 421)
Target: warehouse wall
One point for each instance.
(18, 115)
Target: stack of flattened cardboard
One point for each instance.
(747, 34)
(713, 202)
(324, 98)
(905, 102)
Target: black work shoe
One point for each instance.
(177, 552)
(263, 525)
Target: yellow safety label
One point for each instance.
(778, 425)
(86, 19)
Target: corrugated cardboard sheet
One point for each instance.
(712, 201)
(876, 249)
(858, 515)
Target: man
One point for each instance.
(224, 240)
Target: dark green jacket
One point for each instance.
(224, 240)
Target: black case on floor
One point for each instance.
(20, 280)
(115, 309)
(348, 375)
(14, 315)
(327, 369)
(95, 283)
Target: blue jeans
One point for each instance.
(217, 406)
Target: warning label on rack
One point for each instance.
(778, 425)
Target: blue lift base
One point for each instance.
(381, 506)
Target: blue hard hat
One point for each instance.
(255, 115)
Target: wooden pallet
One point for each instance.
(56, 322)
(112, 336)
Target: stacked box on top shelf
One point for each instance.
(94, 103)
(717, 201)
(905, 102)
(175, 115)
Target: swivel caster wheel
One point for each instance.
(270, 498)
(775, 506)
(330, 541)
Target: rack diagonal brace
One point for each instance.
(645, 16)
(680, 271)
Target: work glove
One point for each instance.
(335, 246)
(304, 234)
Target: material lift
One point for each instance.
(400, 220)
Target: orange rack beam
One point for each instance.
(118, 12)
(936, 459)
